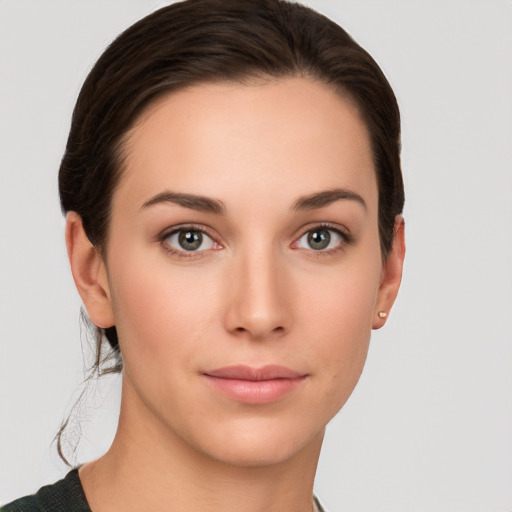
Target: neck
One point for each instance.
(150, 468)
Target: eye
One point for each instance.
(189, 240)
(320, 239)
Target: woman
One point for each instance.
(233, 200)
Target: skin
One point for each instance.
(257, 294)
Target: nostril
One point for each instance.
(276, 330)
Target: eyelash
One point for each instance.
(182, 253)
(347, 239)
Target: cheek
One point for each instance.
(156, 310)
(341, 299)
(338, 315)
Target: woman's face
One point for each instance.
(244, 268)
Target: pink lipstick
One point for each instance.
(255, 385)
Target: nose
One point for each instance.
(259, 304)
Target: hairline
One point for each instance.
(121, 147)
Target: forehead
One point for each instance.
(278, 137)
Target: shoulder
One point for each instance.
(26, 504)
(62, 496)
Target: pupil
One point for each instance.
(319, 239)
(190, 240)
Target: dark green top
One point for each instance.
(66, 495)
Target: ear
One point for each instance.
(89, 273)
(391, 275)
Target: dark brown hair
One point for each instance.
(198, 41)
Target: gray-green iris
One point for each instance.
(319, 239)
(190, 240)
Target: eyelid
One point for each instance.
(339, 228)
(342, 231)
(168, 232)
(204, 228)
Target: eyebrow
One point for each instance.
(325, 198)
(207, 204)
(200, 203)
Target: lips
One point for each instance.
(251, 385)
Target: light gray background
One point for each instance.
(429, 428)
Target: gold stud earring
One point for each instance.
(382, 314)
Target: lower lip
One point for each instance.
(254, 391)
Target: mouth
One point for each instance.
(251, 385)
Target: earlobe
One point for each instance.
(89, 273)
(391, 275)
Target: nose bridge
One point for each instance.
(258, 304)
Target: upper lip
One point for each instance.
(244, 372)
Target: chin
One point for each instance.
(262, 443)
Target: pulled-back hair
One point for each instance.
(196, 41)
